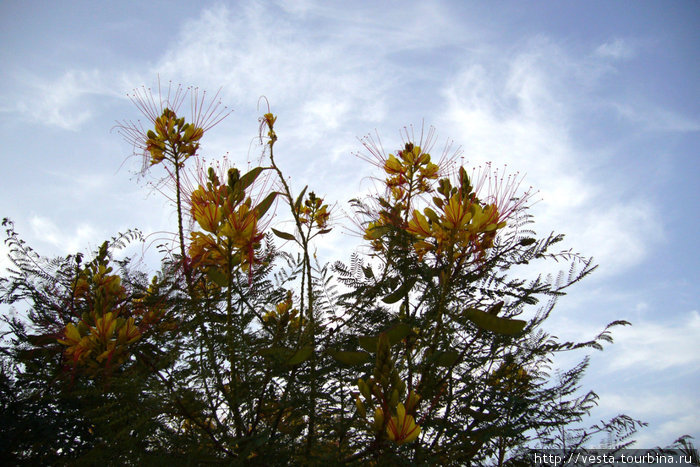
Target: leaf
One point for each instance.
(287, 355)
(482, 416)
(248, 179)
(283, 235)
(351, 358)
(217, 277)
(444, 358)
(301, 355)
(494, 310)
(395, 334)
(368, 343)
(431, 215)
(277, 353)
(401, 292)
(297, 203)
(398, 332)
(265, 204)
(377, 232)
(493, 323)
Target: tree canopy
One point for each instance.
(424, 347)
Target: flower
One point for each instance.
(225, 211)
(410, 175)
(168, 135)
(402, 428)
(500, 190)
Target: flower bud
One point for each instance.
(394, 400)
(360, 407)
(364, 389)
(412, 401)
(378, 419)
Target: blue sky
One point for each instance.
(595, 103)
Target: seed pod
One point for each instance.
(378, 419)
(364, 389)
(360, 407)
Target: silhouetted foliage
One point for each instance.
(428, 349)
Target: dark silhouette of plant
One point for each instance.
(241, 350)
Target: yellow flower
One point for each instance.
(393, 166)
(169, 137)
(402, 428)
(129, 333)
(457, 215)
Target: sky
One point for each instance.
(594, 104)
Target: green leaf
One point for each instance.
(444, 358)
(395, 334)
(265, 204)
(217, 277)
(495, 324)
(482, 416)
(431, 215)
(297, 203)
(398, 332)
(246, 180)
(287, 355)
(368, 343)
(377, 232)
(301, 355)
(494, 310)
(527, 241)
(401, 292)
(351, 358)
(283, 235)
(277, 353)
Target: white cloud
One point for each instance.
(617, 49)
(520, 110)
(63, 101)
(655, 346)
(669, 415)
(61, 240)
(251, 53)
(656, 119)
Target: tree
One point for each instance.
(241, 351)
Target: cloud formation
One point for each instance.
(520, 111)
(656, 346)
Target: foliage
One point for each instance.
(427, 350)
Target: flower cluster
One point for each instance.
(231, 224)
(313, 211)
(510, 378)
(283, 316)
(110, 321)
(381, 394)
(173, 138)
(409, 175)
(169, 137)
(458, 222)
(462, 225)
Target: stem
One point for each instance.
(306, 274)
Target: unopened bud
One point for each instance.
(394, 400)
(412, 401)
(378, 419)
(360, 407)
(364, 389)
